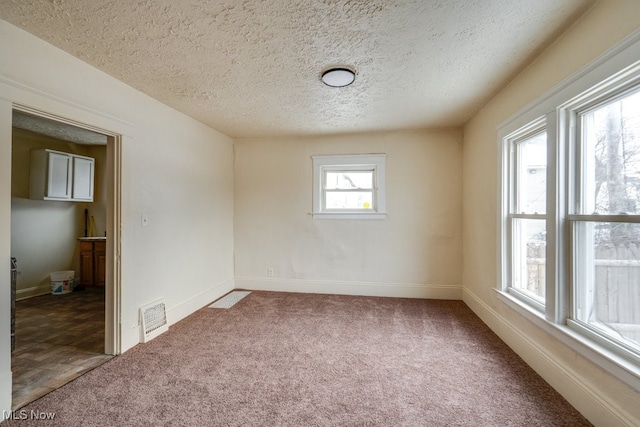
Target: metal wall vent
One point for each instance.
(154, 320)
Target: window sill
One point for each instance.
(350, 215)
(618, 366)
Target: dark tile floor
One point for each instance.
(58, 338)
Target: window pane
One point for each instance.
(611, 158)
(346, 180)
(608, 279)
(529, 257)
(531, 170)
(349, 200)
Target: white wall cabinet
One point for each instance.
(55, 175)
(82, 185)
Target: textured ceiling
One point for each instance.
(57, 130)
(252, 68)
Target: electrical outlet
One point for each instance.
(270, 271)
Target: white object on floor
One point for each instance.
(230, 299)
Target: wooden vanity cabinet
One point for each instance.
(93, 262)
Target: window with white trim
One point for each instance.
(527, 213)
(349, 186)
(604, 216)
(569, 220)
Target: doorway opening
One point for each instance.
(64, 328)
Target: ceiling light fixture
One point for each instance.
(338, 77)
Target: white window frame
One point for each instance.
(576, 221)
(511, 165)
(375, 163)
(610, 74)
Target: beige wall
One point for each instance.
(604, 399)
(415, 251)
(174, 169)
(181, 174)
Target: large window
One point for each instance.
(604, 221)
(570, 214)
(349, 186)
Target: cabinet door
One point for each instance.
(59, 176)
(99, 262)
(83, 171)
(86, 268)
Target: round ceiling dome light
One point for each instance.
(338, 77)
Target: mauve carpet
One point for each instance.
(283, 359)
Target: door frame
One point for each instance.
(113, 177)
(15, 95)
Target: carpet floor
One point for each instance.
(284, 359)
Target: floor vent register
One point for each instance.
(230, 299)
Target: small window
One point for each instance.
(526, 216)
(349, 186)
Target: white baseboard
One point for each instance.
(32, 292)
(193, 304)
(129, 334)
(398, 290)
(597, 408)
(130, 330)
